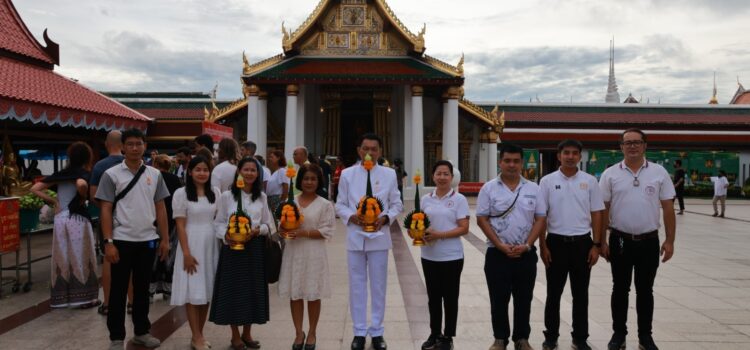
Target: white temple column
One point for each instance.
(492, 157)
(407, 136)
(252, 113)
(450, 126)
(417, 132)
(300, 117)
(483, 157)
(262, 124)
(290, 131)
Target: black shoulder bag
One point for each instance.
(129, 187)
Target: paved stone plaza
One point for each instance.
(702, 299)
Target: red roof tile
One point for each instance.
(15, 37)
(743, 99)
(25, 82)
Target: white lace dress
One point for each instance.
(304, 266)
(198, 287)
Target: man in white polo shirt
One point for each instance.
(510, 212)
(574, 213)
(131, 241)
(634, 192)
(720, 192)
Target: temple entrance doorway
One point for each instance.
(356, 120)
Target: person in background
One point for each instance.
(207, 154)
(277, 186)
(204, 140)
(161, 277)
(74, 282)
(337, 177)
(266, 171)
(398, 165)
(182, 158)
(197, 256)
(721, 184)
(304, 268)
(113, 144)
(247, 149)
(222, 176)
(679, 185)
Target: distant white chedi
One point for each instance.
(612, 95)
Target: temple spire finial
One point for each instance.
(714, 100)
(612, 95)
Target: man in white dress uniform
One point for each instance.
(367, 253)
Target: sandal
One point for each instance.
(251, 344)
(89, 305)
(103, 310)
(240, 346)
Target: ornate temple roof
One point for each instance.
(31, 91)
(741, 96)
(291, 39)
(361, 70)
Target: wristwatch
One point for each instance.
(109, 241)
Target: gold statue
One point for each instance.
(11, 175)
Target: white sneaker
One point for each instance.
(117, 345)
(146, 340)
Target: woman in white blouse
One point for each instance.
(241, 288)
(304, 267)
(443, 256)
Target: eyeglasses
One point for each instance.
(634, 143)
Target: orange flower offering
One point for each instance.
(368, 163)
(290, 172)
(240, 182)
(417, 221)
(417, 177)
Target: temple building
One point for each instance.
(353, 67)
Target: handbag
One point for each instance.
(273, 254)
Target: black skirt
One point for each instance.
(241, 288)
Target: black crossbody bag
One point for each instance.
(129, 187)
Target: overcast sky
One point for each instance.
(515, 50)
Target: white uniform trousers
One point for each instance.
(372, 264)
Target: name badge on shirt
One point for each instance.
(148, 180)
(584, 186)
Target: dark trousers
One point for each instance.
(443, 279)
(627, 256)
(508, 277)
(135, 258)
(568, 258)
(680, 196)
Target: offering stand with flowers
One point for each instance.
(416, 222)
(288, 213)
(369, 206)
(238, 228)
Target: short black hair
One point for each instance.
(250, 145)
(678, 161)
(205, 140)
(184, 150)
(315, 169)
(370, 136)
(722, 173)
(643, 135)
(510, 148)
(133, 132)
(442, 162)
(569, 143)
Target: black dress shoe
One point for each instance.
(617, 342)
(358, 343)
(378, 343)
(430, 343)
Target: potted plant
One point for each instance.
(30, 205)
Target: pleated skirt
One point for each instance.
(240, 288)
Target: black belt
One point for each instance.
(635, 237)
(568, 239)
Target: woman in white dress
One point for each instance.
(304, 267)
(194, 208)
